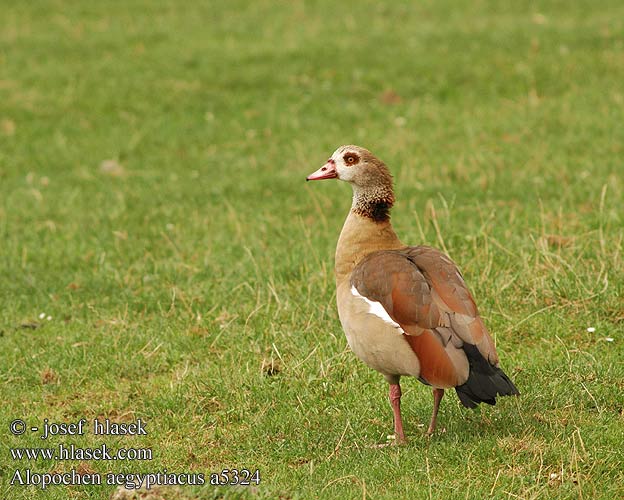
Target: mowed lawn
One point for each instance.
(162, 258)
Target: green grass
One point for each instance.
(189, 280)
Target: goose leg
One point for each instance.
(437, 397)
(395, 402)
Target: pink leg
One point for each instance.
(437, 397)
(395, 401)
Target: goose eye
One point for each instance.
(351, 158)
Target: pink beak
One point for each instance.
(327, 171)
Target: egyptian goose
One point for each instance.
(406, 310)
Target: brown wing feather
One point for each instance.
(454, 298)
(423, 291)
(436, 366)
(444, 276)
(389, 277)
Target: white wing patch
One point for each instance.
(377, 309)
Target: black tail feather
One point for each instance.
(485, 381)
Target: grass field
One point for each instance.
(153, 211)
